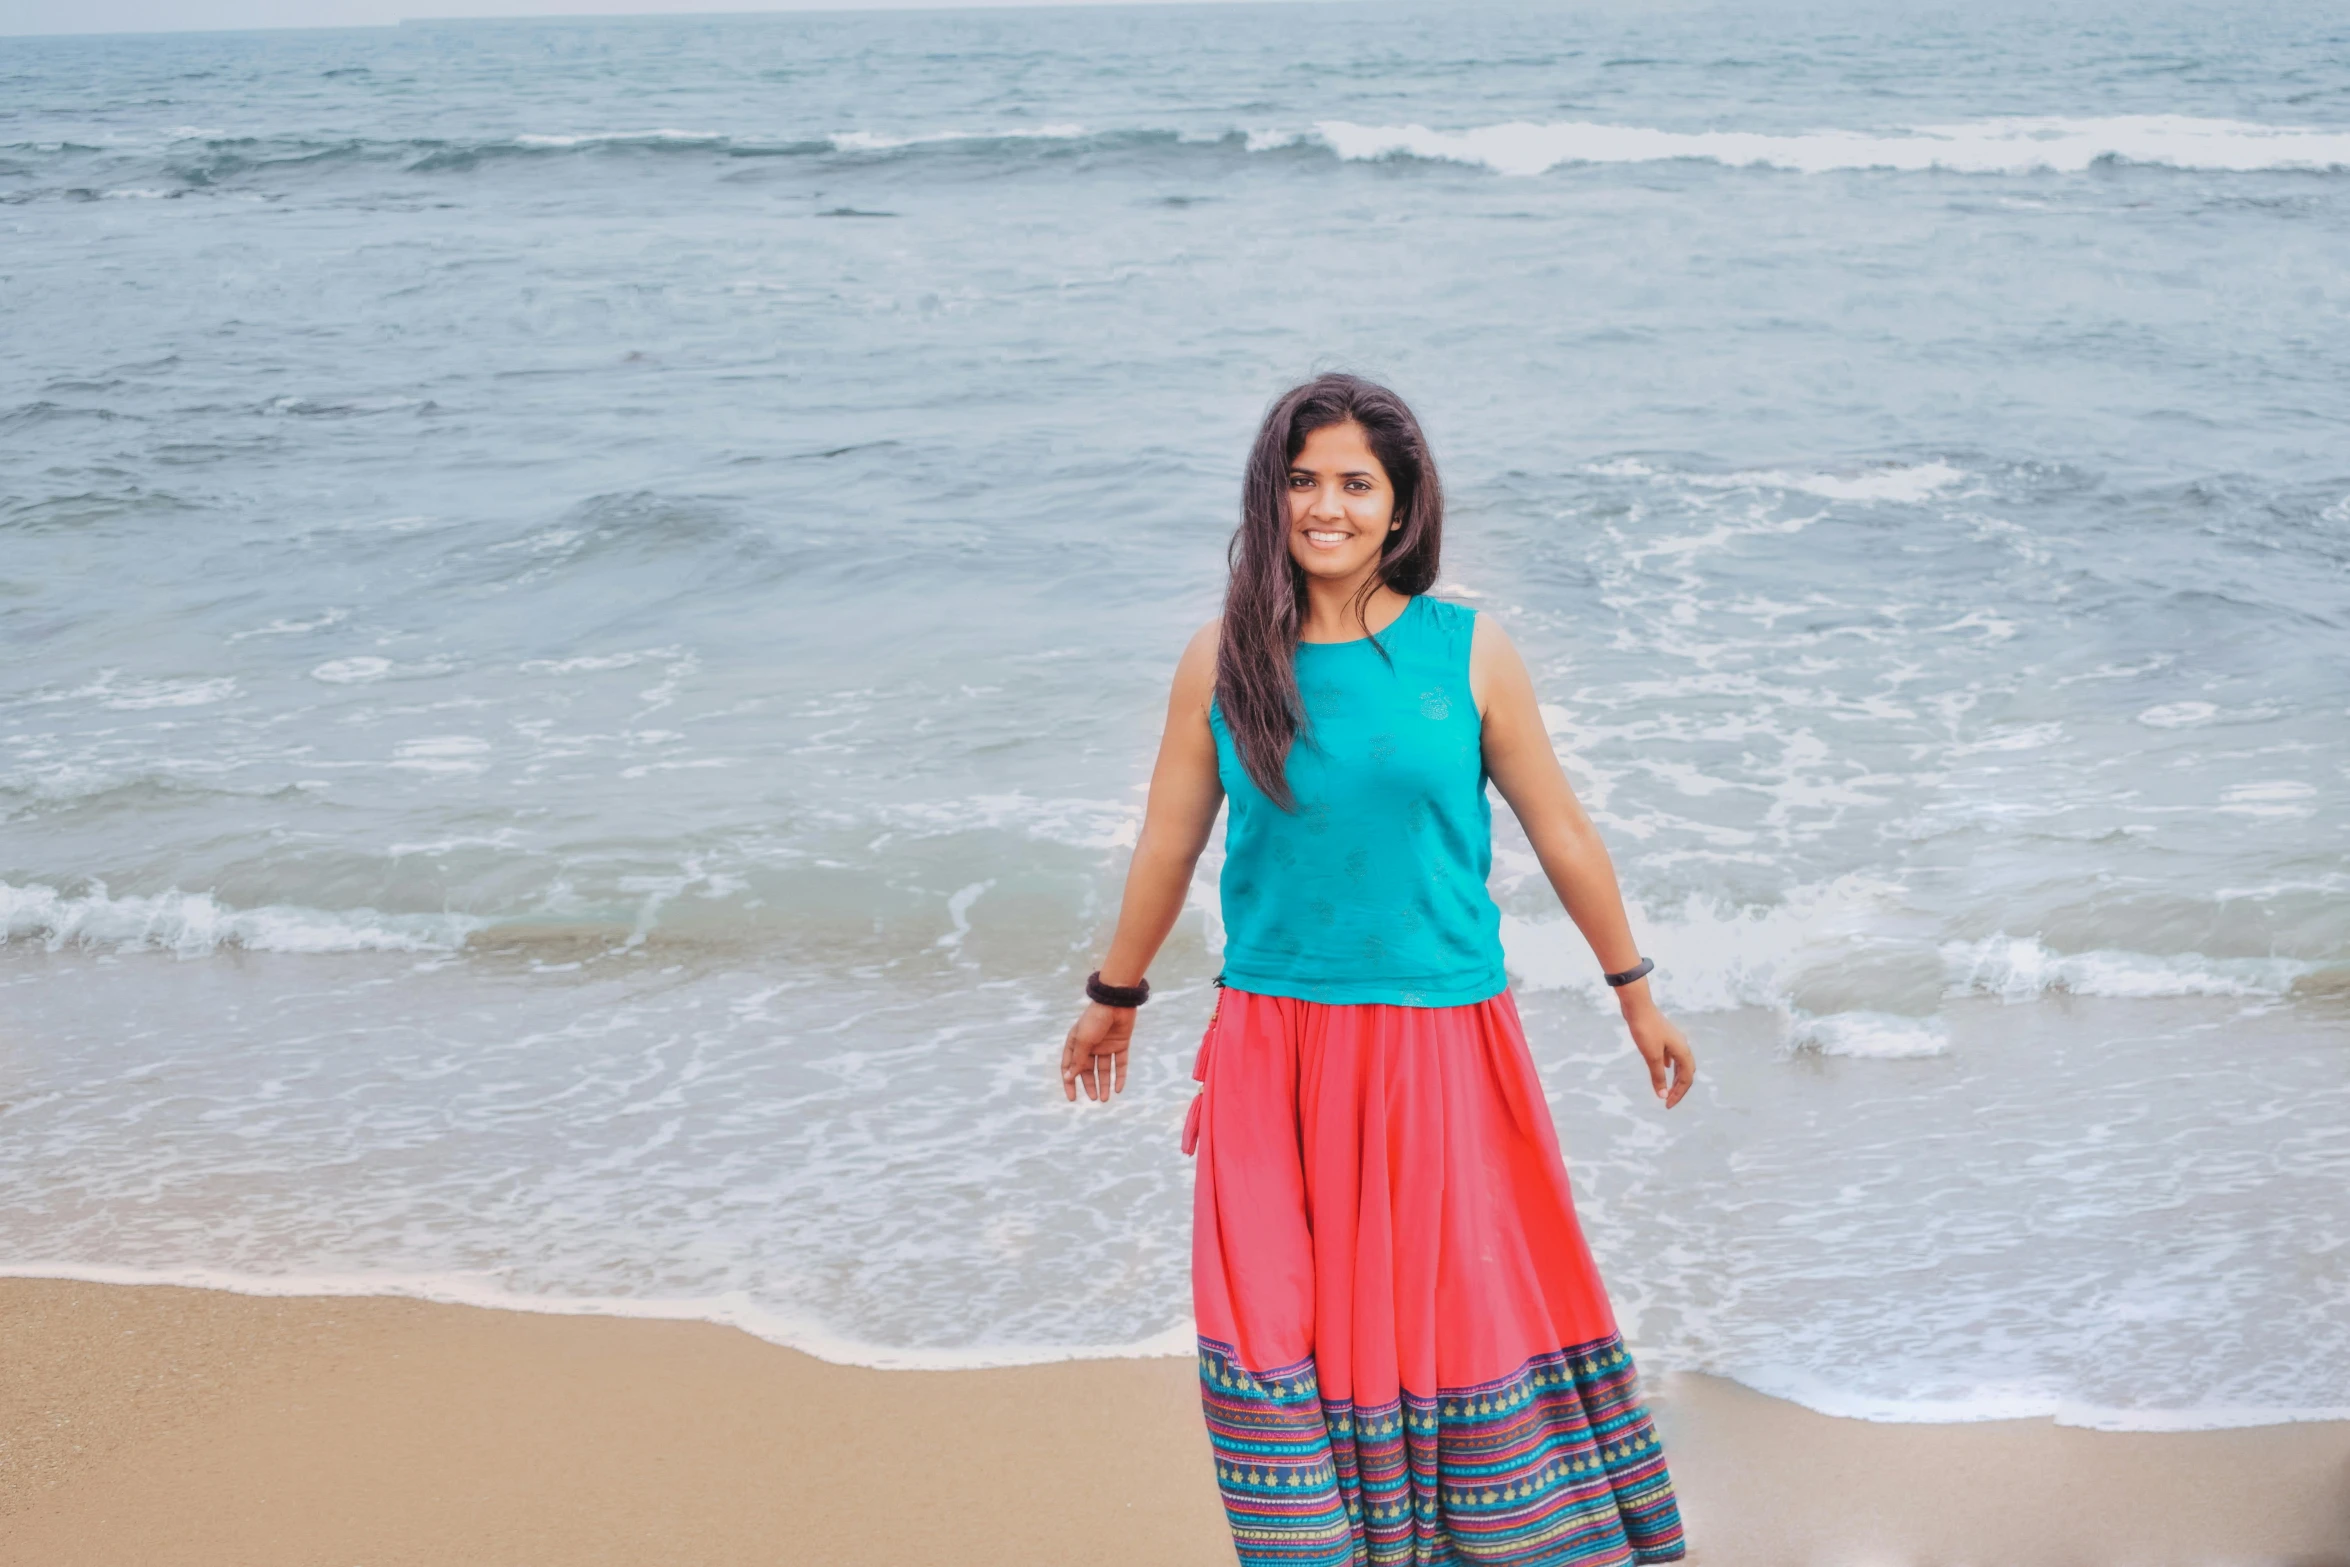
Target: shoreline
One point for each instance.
(170, 1424)
(1176, 1342)
(724, 1311)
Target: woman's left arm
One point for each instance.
(1523, 767)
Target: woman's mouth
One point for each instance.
(1321, 539)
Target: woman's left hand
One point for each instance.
(1094, 1054)
(1672, 1065)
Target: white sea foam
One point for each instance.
(288, 627)
(593, 663)
(111, 690)
(1900, 483)
(959, 912)
(1721, 957)
(2333, 884)
(2023, 968)
(136, 695)
(1076, 823)
(442, 754)
(351, 671)
(1713, 958)
(2269, 797)
(1993, 146)
(194, 924)
(367, 667)
(1903, 483)
(1885, 1036)
(596, 138)
(875, 141)
(2011, 1401)
(734, 1309)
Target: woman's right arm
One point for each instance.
(1176, 820)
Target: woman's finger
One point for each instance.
(1684, 1071)
(1068, 1070)
(1098, 1065)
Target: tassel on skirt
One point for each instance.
(1406, 1354)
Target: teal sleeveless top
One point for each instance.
(1374, 889)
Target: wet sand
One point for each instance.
(170, 1426)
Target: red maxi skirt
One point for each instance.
(1406, 1354)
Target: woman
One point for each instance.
(1406, 1354)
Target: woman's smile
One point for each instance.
(1342, 503)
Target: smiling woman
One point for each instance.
(1405, 1351)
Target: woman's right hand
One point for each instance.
(1095, 1052)
(1672, 1065)
(1177, 816)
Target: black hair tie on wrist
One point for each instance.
(1631, 974)
(1133, 995)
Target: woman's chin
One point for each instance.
(1330, 569)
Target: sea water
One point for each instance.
(588, 606)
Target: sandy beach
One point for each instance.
(177, 1426)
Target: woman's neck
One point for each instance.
(1330, 613)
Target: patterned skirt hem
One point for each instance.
(1554, 1465)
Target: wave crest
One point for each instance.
(2013, 145)
(1857, 974)
(195, 924)
(2000, 145)
(2022, 968)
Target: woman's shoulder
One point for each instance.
(1195, 671)
(1447, 625)
(1199, 654)
(1448, 614)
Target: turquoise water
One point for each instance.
(588, 605)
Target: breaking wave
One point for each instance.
(1717, 958)
(195, 924)
(2022, 968)
(193, 160)
(1995, 146)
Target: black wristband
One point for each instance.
(1133, 995)
(1634, 972)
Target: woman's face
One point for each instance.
(1341, 506)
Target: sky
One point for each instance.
(18, 17)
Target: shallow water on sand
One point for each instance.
(591, 601)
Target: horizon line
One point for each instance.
(722, 13)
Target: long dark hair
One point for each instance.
(1256, 674)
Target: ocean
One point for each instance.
(588, 606)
